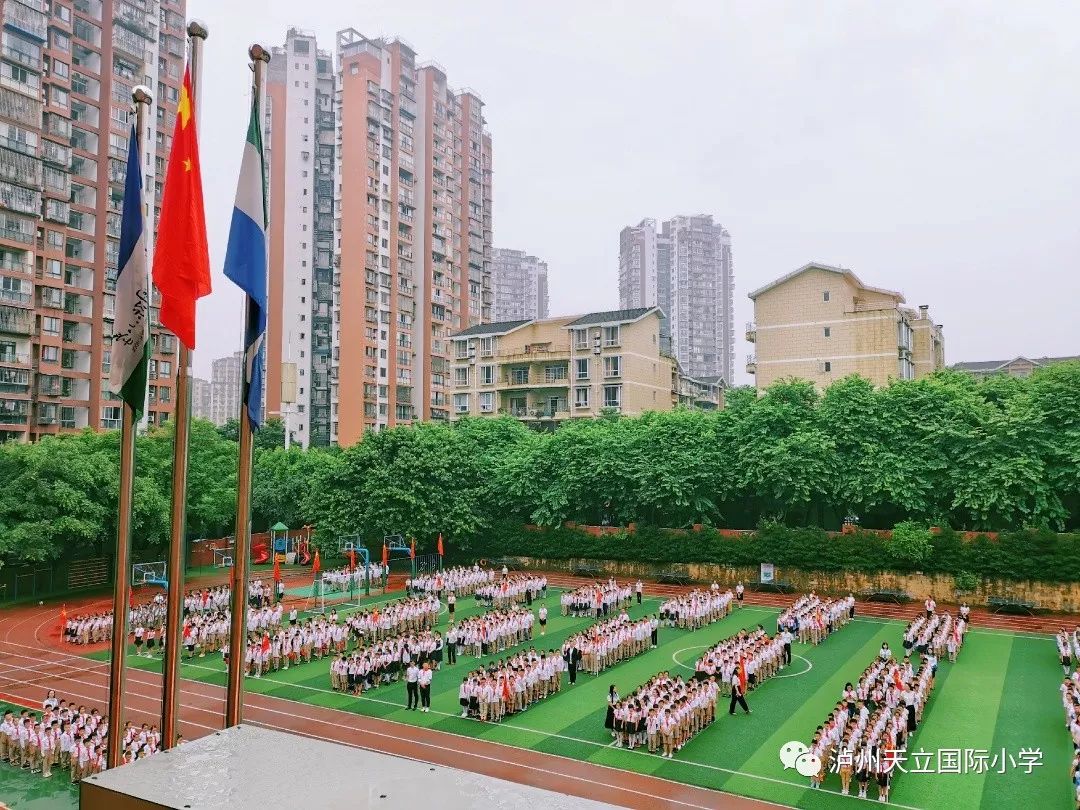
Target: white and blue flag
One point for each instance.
(246, 260)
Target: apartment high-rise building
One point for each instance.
(822, 323)
(300, 149)
(67, 70)
(225, 388)
(684, 266)
(202, 397)
(396, 168)
(521, 285)
(547, 371)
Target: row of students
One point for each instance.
(752, 653)
(352, 578)
(612, 640)
(663, 714)
(495, 631)
(461, 579)
(511, 590)
(411, 614)
(511, 685)
(386, 661)
(596, 599)
(935, 632)
(67, 738)
(1070, 699)
(812, 619)
(696, 609)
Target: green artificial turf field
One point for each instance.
(1001, 695)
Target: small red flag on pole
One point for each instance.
(441, 552)
(412, 549)
(352, 559)
(277, 568)
(316, 566)
(385, 555)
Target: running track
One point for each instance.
(32, 660)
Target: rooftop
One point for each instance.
(614, 316)
(829, 269)
(497, 328)
(993, 365)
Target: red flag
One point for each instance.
(181, 256)
(63, 613)
(316, 566)
(385, 555)
(412, 548)
(352, 559)
(266, 643)
(506, 691)
(896, 679)
(277, 569)
(441, 552)
(742, 673)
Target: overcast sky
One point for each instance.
(932, 147)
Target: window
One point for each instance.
(581, 397)
(50, 354)
(50, 326)
(581, 371)
(613, 366)
(554, 373)
(461, 403)
(487, 402)
(461, 349)
(581, 338)
(487, 346)
(828, 331)
(825, 296)
(826, 366)
(461, 377)
(487, 375)
(612, 396)
(519, 376)
(611, 335)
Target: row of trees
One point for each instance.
(1003, 453)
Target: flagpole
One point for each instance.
(141, 99)
(170, 695)
(234, 695)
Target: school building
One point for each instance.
(550, 370)
(822, 323)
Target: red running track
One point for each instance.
(29, 665)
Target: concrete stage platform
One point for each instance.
(253, 768)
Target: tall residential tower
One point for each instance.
(397, 168)
(521, 286)
(684, 266)
(68, 70)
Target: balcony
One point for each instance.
(129, 43)
(16, 297)
(751, 332)
(9, 358)
(14, 412)
(15, 381)
(19, 167)
(27, 17)
(15, 321)
(751, 364)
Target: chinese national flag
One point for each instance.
(441, 552)
(385, 555)
(316, 566)
(181, 256)
(412, 549)
(277, 569)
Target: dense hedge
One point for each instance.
(1023, 555)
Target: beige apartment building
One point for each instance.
(822, 323)
(548, 371)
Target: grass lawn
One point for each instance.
(1001, 694)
